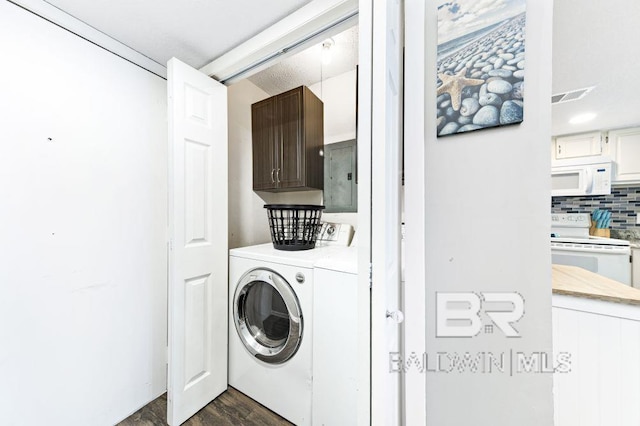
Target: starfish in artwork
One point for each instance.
(453, 85)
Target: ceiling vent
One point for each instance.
(573, 95)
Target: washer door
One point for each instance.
(267, 316)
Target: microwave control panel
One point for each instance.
(602, 178)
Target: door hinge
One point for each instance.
(370, 275)
(170, 244)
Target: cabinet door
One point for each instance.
(313, 135)
(263, 131)
(582, 145)
(290, 167)
(624, 145)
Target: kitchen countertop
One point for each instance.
(632, 235)
(575, 281)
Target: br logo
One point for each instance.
(460, 314)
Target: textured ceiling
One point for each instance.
(306, 67)
(596, 44)
(194, 31)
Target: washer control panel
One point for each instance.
(339, 234)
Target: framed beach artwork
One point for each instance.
(480, 64)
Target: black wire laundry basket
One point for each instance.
(294, 226)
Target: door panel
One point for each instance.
(196, 329)
(290, 142)
(263, 123)
(197, 213)
(197, 241)
(313, 129)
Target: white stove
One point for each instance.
(590, 241)
(571, 244)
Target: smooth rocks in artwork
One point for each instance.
(499, 87)
(469, 106)
(511, 112)
(498, 58)
(487, 116)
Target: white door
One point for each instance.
(386, 158)
(197, 241)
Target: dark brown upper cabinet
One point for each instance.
(288, 138)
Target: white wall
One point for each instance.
(338, 94)
(339, 97)
(477, 219)
(247, 216)
(83, 273)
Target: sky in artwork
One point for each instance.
(459, 17)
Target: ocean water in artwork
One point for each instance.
(481, 64)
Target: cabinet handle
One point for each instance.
(278, 175)
(272, 179)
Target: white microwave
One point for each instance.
(581, 176)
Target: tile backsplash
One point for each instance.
(623, 202)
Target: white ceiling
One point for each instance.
(306, 67)
(596, 43)
(194, 31)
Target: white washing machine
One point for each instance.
(270, 327)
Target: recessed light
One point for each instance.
(582, 118)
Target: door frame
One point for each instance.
(301, 29)
(364, 166)
(232, 66)
(415, 202)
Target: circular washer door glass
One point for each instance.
(267, 316)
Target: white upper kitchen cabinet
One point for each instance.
(624, 146)
(579, 145)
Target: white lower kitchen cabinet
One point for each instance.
(603, 339)
(624, 147)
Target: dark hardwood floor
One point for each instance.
(230, 408)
